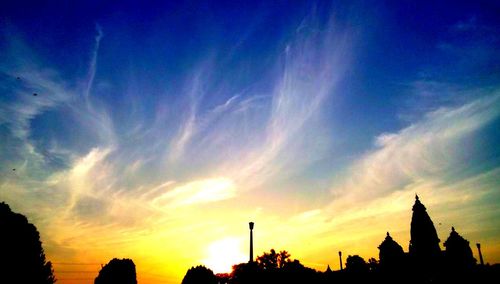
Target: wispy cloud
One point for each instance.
(45, 83)
(188, 123)
(194, 192)
(93, 62)
(429, 148)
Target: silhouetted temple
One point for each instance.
(424, 244)
(458, 253)
(391, 254)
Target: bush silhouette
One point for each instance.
(273, 267)
(199, 275)
(273, 260)
(22, 259)
(117, 271)
(356, 264)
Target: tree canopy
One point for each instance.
(199, 274)
(22, 259)
(117, 271)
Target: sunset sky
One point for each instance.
(160, 129)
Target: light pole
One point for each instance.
(251, 241)
(340, 257)
(480, 254)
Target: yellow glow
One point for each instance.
(223, 254)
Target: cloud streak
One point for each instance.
(430, 148)
(93, 62)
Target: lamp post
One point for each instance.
(340, 257)
(480, 254)
(251, 240)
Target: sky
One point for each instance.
(160, 129)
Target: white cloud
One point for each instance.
(201, 191)
(428, 149)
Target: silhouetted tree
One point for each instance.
(199, 275)
(222, 278)
(117, 271)
(22, 259)
(273, 260)
(373, 265)
(246, 273)
(355, 264)
(273, 267)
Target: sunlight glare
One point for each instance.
(223, 254)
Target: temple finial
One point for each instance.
(416, 196)
(388, 234)
(452, 229)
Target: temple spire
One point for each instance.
(391, 255)
(458, 252)
(424, 243)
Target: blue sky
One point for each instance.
(323, 117)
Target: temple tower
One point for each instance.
(458, 252)
(391, 255)
(424, 244)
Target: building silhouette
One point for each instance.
(424, 250)
(458, 254)
(391, 255)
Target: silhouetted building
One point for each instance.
(22, 259)
(424, 244)
(458, 252)
(117, 271)
(391, 255)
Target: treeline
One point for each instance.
(22, 258)
(279, 268)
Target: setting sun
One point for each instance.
(223, 254)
